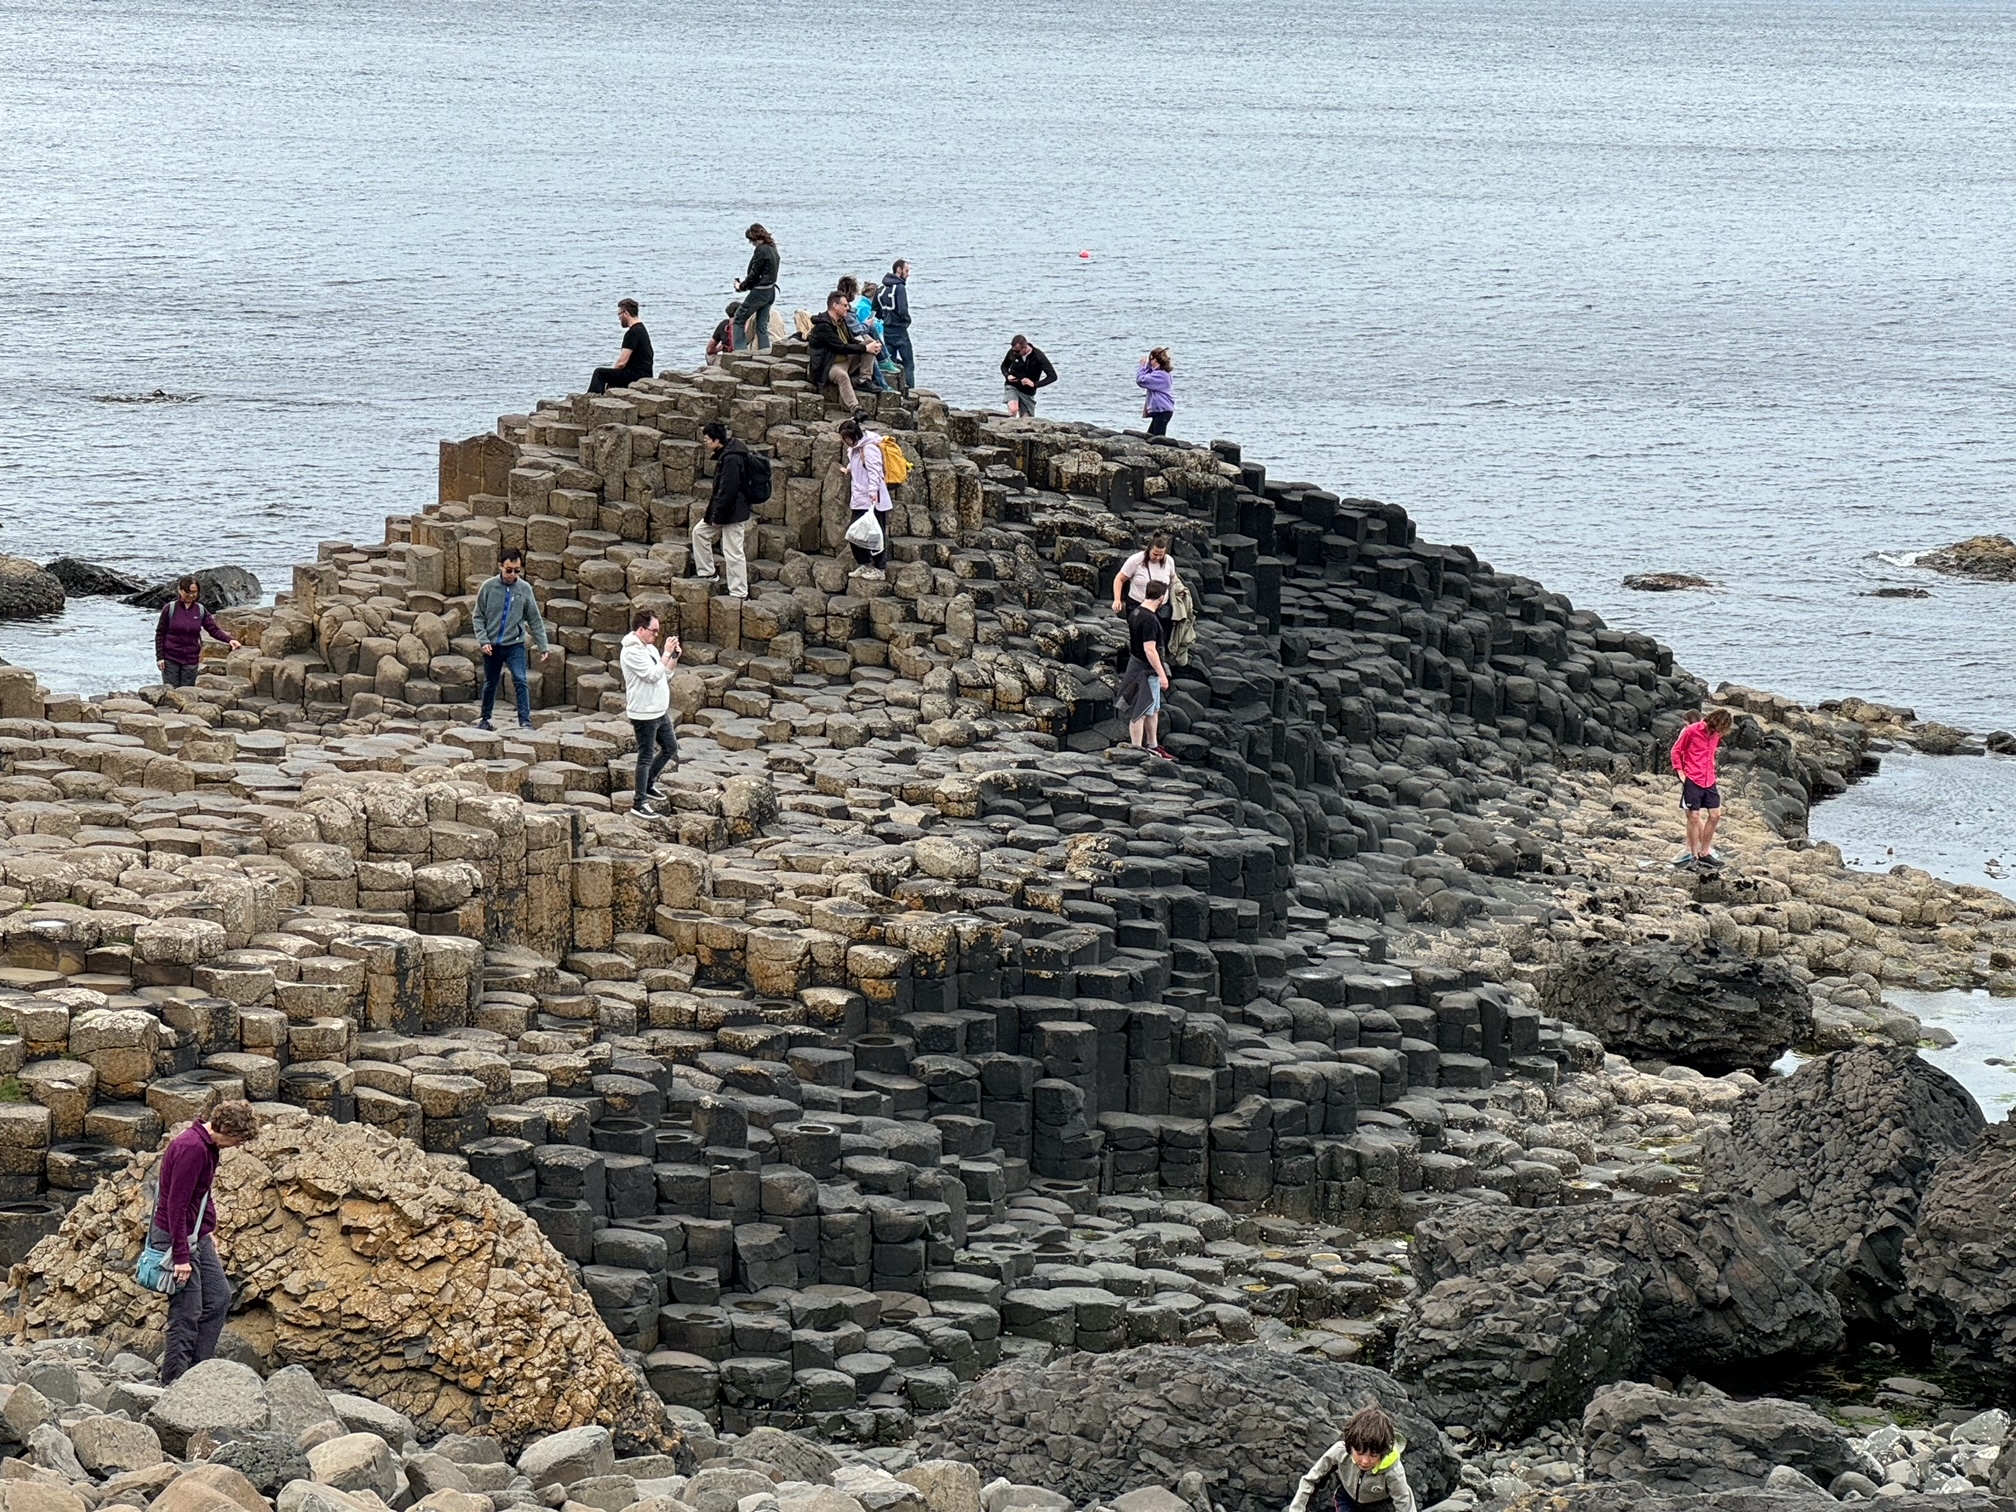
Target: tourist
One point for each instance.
(861, 325)
(722, 342)
(1361, 1472)
(893, 305)
(634, 361)
(647, 701)
(1025, 369)
(506, 612)
(1151, 564)
(758, 288)
(728, 511)
(179, 632)
(836, 356)
(1147, 677)
(1157, 375)
(862, 462)
(184, 1223)
(1700, 798)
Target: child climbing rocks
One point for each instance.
(1694, 760)
(1361, 1472)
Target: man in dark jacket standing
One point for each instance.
(893, 305)
(1025, 369)
(728, 511)
(185, 1224)
(179, 632)
(837, 358)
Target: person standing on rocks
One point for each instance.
(506, 612)
(1157, 375)
(184, 1222)
(1361, 1472)
(867, 477)
(1700, 796)
(892, 303)
(179, 632)
(634, 361)
(1146, 678)
(1024, 370)
(1151, 564)
(758, 288)
(647, 702)
(836, 356)
(728, 512)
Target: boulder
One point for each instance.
(435, 1300)
(1520, 1345)
(1664, 582)
(27, 591)
(1715, 1283)
(356, 1462)
(1697, 1005)
(1664, 1441)
(108, 1445)
(948, 1485)
(1985, 556)
(222, 588)
(295, 1399)
(1611, 1496)
(1960, 1264)
(267, 1460)
(1838, 1155)
(795, 1458)
(1247, 1418)
(89, 580)
(221, 1395)
(209, 1488)
(569, 1456)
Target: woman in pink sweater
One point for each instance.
(1694, 760)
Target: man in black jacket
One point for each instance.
(728, 512)
(837, 358)
(893, 305)
(1025, 369)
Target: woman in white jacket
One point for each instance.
(647, 698)
(868, 488)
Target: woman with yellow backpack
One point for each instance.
(872, 463)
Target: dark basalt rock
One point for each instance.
(1838, 1156)
(1985, 556)
(27, 591)
(223, 588)
(1696, 1005)
(1961, 1262)
(88, 579)
(1662, 1441)
(1610, 1496)
(1665, 582)
(1249, 1419)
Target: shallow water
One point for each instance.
(1595, 287)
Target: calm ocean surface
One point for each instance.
(1596, 288)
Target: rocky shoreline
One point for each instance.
(941, 1106)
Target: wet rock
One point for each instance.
(1249, 1420)
(1992, 557)
(1664, 582)
(222, 588)
(89, 579)
(1700, 1006)
(1663, 1441)
(1838, 1156)
(1960, 1264)
(27, 591)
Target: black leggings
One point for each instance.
(1158, 424)
(652, 732)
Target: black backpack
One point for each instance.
(755, 477)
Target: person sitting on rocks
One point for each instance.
(179, 632)
(184, 1222)
(1700, 798)
(837, 357)
(634, 361)
(1147, 677)
(1361, 1472)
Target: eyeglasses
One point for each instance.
(511, 571)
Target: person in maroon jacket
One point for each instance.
(185, 1223)
(178, 634)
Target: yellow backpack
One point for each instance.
(895, 466)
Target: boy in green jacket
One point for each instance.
(506, 612)
(1361, 1472)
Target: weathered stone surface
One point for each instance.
(27, 591)
(1612, 1496)
(267, 1460)
(565, 1457)
(1248, 1419)
(1985, 556)
(107, 1445)
(948, 1485)
(222, 588)
(355, 1462)
(220, 1395)
(90, 578)
(794, 1456)
(1668, 1442)
(1960, 1264)
(1838, 1156)
(1701, 1006)
(420, 1256)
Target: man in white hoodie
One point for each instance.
(647, 695)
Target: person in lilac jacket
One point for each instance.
(178, 634)
(184, 1223)
(1157, 375)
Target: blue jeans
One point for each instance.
(755, 316)
(494, 664)
(896, 347)
(656, 745)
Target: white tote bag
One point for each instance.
(866, 531)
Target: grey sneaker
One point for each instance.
(1685, 861)
(1709, 862)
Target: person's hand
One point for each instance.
(875, 346)
(738, 286)
(544, 654)
(233, 645)
(487, 649)
(1116, 603)
(161, 663)
(1165, 682)
(182, 1273)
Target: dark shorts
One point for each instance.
(1694, 796)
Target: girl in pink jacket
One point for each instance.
(1694, 760)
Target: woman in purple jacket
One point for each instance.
(178, 634)
(184, 1223)
(1157, 375)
